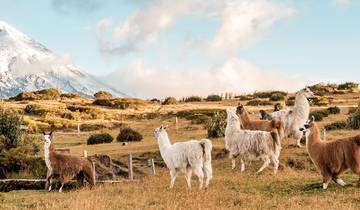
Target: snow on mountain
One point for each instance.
(26, 65)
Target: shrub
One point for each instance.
(193, 99)
(216, 126)
(277, 97)
(353, 120)
(245, 97)
(103, 102)
(103, 95)
(45, 94)
(319, 114)
(321, 89)
(336, 125)
(35, 109)
(10, 128)
(155, 100)
(70, 95)
(100, 138)
(213, 98)
(121, 103)
(128, 134)
(268, 94)
(91, 126)
(320, 101)
(348, 86)
(256, 102)
(352, 110)
(333, 110)
(278, 106)
(169, 101)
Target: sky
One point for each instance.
(158, 48)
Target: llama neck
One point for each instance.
(245, 117)
(232, 126)
(313, 137)
(164, 141)
(48, 150)
(301, 105)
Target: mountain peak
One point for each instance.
(26, 65)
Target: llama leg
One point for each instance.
(266, 164)
(339, 181)
(275, 161)
(62, 185)
(50, 183)
(242, 167)
(298, 135)
(208, 172)
(173, 177)
(200, 174)
(326, 180)
(232, 157)
(188, 177)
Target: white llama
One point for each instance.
(185, 157)
(250, 144)
(296, 116)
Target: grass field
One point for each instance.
(296, 186)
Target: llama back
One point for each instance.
(68, 165)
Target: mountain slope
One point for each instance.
(26, 65)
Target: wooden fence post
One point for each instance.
(78, 128)
(130, 167)
(151, 165)
(176, 123)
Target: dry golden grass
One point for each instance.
(296, 186)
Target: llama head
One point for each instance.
(160, 131)
(240, 109)
(47, 138)
(307, 93)
(308, 125)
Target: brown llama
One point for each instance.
(64, 167)
(262, 125)
(332, 158)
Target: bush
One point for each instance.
(353, 120)
(121, 103)
(256, 102)
(169, 101)
(216, 126)
(70, 95)
(10, 128)
(278, 106)
(268, 94)
(348, 86)
(193, 99)
(100, 138)
(128, 134)
(213, 98)
(320, 101)
(103, 95)
(155, 100)
(45, 94)
(91, 126)
(352, 110)
(245, 97)
(277, 97)
(35, 109)
(319, 114)
(333, 110)
(336, 125)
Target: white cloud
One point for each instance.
(240, 22)
(234, 75)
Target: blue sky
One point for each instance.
(300, 42)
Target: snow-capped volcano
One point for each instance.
(26, 65)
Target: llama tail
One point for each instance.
(93, 172)
(207, 147)
(264, 115)
(279, 125)
(276, 141)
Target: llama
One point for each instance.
(294, 117)
(262, 125)
(332, 158)
(186, 157)
(250, 145)
(65, 167)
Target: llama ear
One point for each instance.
(312, 119)
(51, 132)
(165, 127)
(43, 132)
